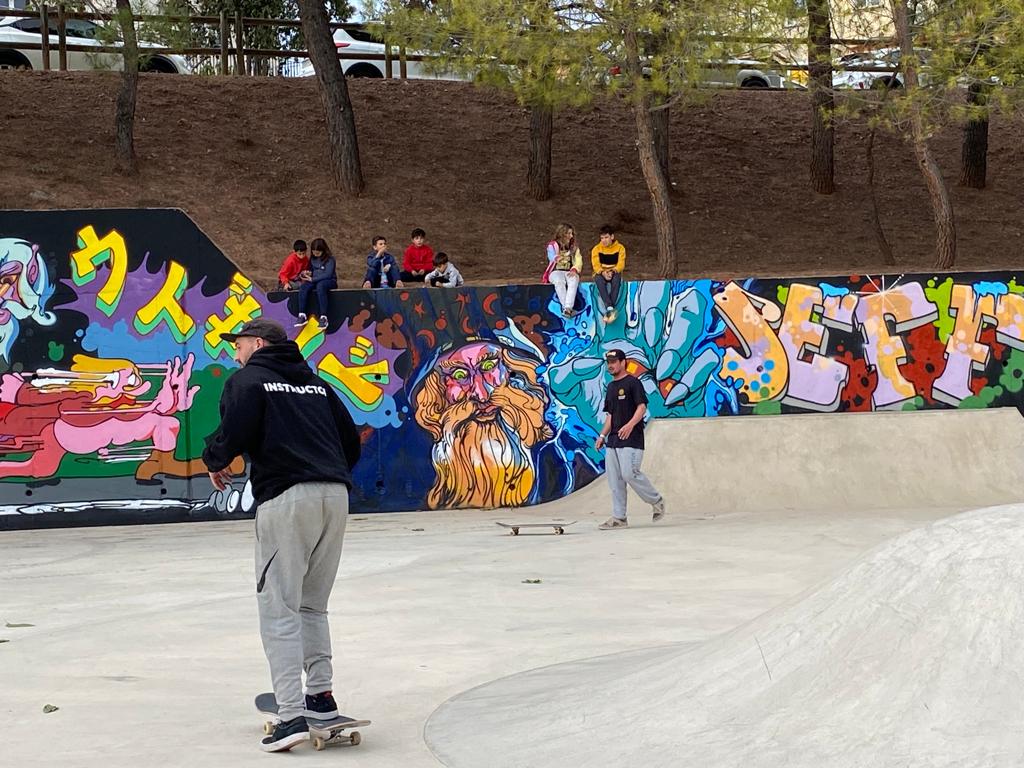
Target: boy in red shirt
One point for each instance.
(419, 258)
(295, 270)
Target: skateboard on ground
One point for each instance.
(322, 733)
(558, 526)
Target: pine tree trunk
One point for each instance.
(974, 152)
(660, 119)
(938, 194)
(538, 172)
(127, 95)
(341, 122)
(876, 219)
(657, 184)
(820, 74)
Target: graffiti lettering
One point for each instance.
(361, 382)
(761, 370)
(239, 307)
(906, 307)
(310, 338)
(815, 381)
(92, 252)
(165, 307)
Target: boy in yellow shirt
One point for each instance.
(608, 258)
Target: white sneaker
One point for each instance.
(613, 522)
(659, 510)
(323, 322)
(300, 320)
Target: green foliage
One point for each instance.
(565, 53)
(265, 37)
(958, 44)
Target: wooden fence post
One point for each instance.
(62, 36)
(239, 43)
(225, 41)
(44, 35)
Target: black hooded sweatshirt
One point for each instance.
(287, 420)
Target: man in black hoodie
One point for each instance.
(302, 445)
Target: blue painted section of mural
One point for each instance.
(111, 367)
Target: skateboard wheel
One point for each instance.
(268, 728)
(355, 739)
(515, 531)
(559, 531)
(318, 743)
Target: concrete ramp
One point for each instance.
(882, 460)
(909, 657)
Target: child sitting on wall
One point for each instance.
(323, 279)
(381, 266)
(444, 274)
(608, 258)
(295, 270)
(418, 258)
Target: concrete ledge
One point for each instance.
(880, 460)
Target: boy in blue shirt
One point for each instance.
(382, 269)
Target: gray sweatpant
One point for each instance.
(298, 547)
(623, 467)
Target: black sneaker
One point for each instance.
(321, 706)
(286, 735)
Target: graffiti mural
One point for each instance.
(111, 368)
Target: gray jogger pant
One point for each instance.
(623, 467)
(298, 547)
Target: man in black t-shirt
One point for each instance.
(625, 404)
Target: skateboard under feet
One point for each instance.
(322, 733)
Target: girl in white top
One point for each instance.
(565, 262)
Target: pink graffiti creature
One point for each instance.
(87, 410)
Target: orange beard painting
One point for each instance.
(482, 453)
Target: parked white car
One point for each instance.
(361, 41)
(734, 73)
(744, 73)
(882, 58)
(18, 30)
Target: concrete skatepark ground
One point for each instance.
(146, 639)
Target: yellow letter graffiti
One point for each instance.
(762, 368)
(239, 307)
(165, 307)
(907, 308)
(90, 254)
(362, 382)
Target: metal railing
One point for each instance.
(231, 56)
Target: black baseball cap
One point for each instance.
(260, 328)
(614, 354)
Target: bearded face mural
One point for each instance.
(484, 407)
(24, 290)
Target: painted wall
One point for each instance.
(111, 367)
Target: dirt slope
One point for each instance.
(246, 158)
